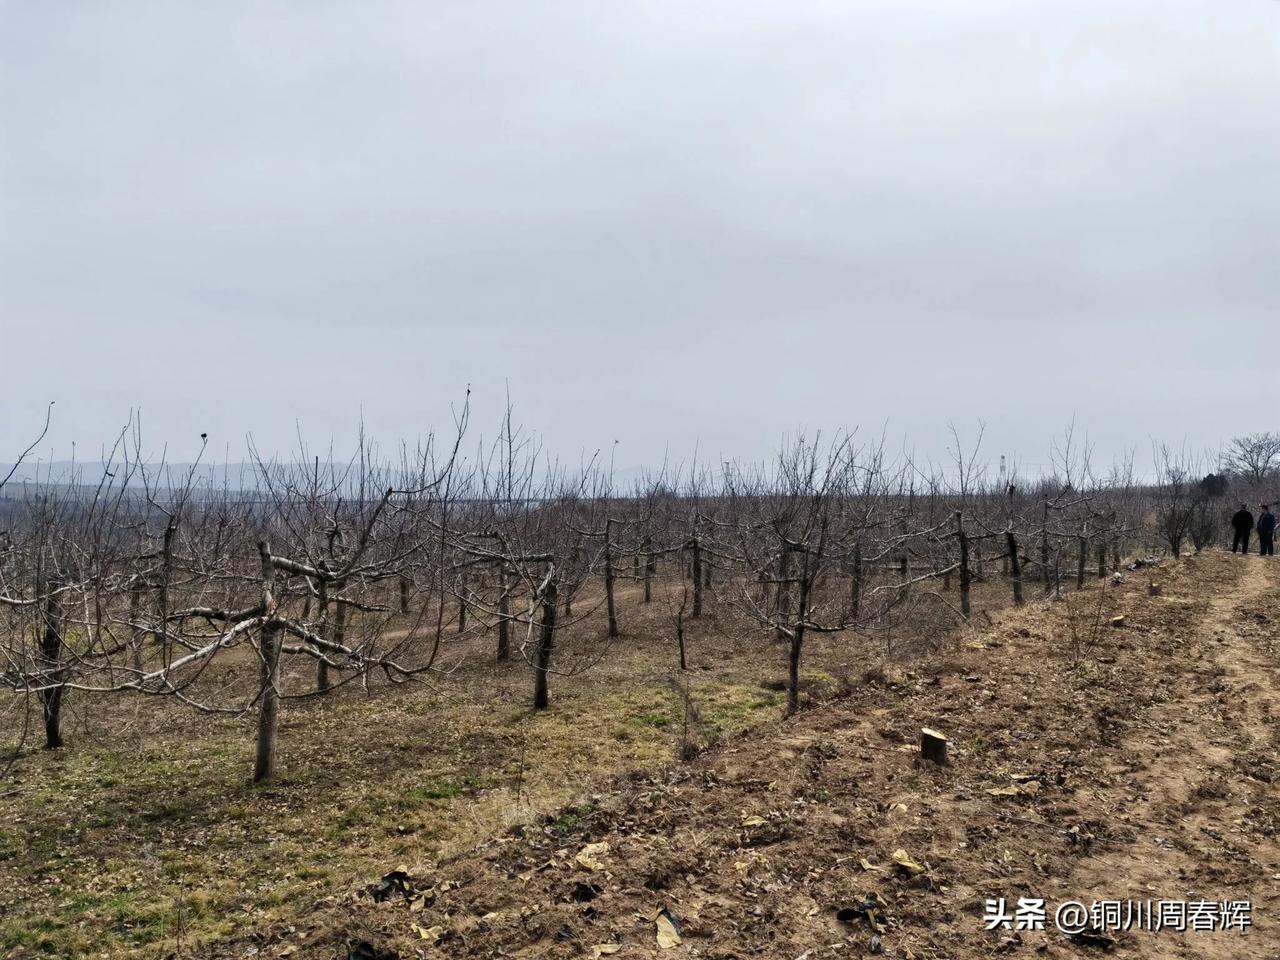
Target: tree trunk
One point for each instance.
(546, 640)
(797, 639)
(166, 574)
(504, 611)
(696, 549)
(782, 592)
(268, 675)
(1102, 557)
(339, 635)
(855, 584)
(269, 706)
(1015, 567)
(51, 667)
(965, 579)
(793, 668)
(650, 568)
(1045, 578)
(138, 636)
(404, 594)
(608, 580)
(1082, 560)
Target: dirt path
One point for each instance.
(1153, 747)
(1194, 777)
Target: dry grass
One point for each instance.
(144, 837)
(1154, 758)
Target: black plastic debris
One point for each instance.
(871, 909)
(586, 892)
(1093, 937)
(395, 882)
(367, 951)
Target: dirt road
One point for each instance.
(1138, 761)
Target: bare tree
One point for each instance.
(1177, 496)
(1253, 456)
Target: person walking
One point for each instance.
(1267, 532)
(1242, 523)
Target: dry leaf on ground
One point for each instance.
(589, 856)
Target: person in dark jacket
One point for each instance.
(1267, 532)
(1242, 523)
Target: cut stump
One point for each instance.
(933, 746)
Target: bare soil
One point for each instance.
(143, 837)
(1154, 744)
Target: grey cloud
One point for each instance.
(666, 224)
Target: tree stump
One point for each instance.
(933, 746)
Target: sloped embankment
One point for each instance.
(1146, 767)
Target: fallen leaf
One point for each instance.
(428, 933)
(866, 864)
(668, 934)
(1028, 789)
(604, 949)
(589, 856)
(753, 821)
(904, 860)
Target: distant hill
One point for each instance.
(68, 473)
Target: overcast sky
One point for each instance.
(662, 224)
